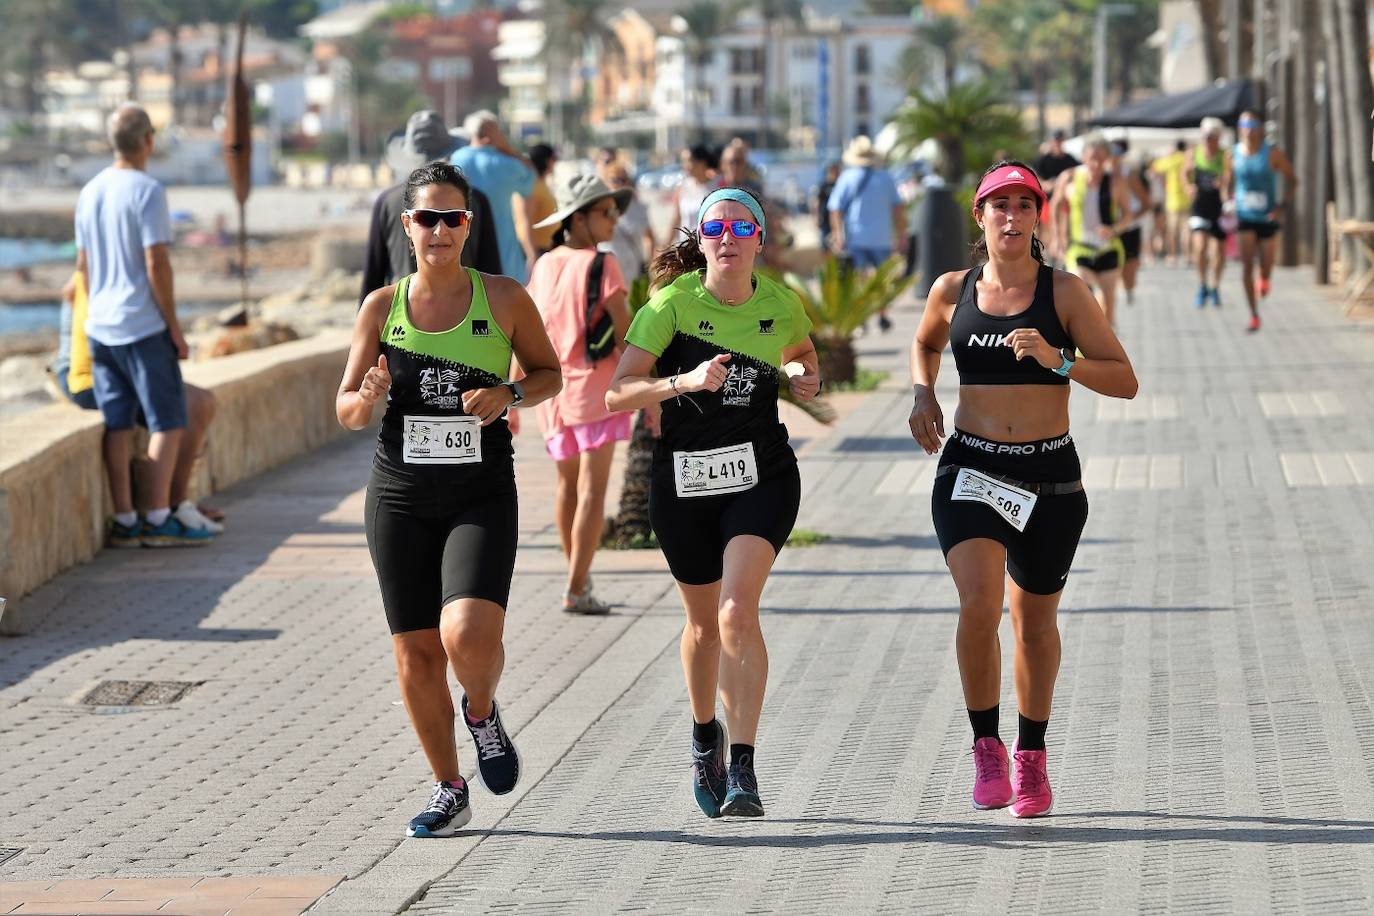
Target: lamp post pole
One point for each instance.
(1100, 52)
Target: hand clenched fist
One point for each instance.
(376, 383)
(709, 376)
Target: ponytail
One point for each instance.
(674, 261)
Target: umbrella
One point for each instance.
(238, 148)
(1183, 109)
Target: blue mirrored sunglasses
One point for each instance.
(739, 228)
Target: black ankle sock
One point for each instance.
(984, 722)
(743, 755)
(1030, 734)
(705, 734)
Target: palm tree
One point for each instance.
(969, 123)
(1008, 35)
(705, 20)
(572, 28)
(946, 35)
(771, 12)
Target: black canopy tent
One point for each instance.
(1183, 109)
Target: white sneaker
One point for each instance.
(190, 516)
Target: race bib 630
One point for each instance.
(443, 440)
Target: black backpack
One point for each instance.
(600, 334)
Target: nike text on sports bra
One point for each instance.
(979, 340)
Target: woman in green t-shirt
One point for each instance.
(712, 346)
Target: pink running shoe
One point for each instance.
(991, 781)
(1033, 795)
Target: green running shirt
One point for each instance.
(430, 370)
(683, 325)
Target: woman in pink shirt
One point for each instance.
(577, 288)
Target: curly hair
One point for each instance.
(684, 257)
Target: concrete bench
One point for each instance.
(274, 404)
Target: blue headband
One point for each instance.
(739, 197)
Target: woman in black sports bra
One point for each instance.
(1008, 497)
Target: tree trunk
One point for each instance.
(174, 51)
(630, 526)
(1211, 36)
(1359, 96)
(1301, 99)
(1340, 133)
(762, 141)
(1041, 79)
(837, 360)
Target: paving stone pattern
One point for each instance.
(1212, 746)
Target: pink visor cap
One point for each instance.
(1010, 176)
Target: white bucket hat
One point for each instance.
(580, 191)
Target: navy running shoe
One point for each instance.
(742, 793)
(708, 773)
(447, 811)
(126, 535)
(498, 762)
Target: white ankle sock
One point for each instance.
(127, 519)
(157, 516)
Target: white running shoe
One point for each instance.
(191, 517)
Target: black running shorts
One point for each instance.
(1098, 261)
(1038, 558)
(1130, 241)
(1263, 229)
(693, 530)
(432, 545)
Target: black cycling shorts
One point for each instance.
(1096, 260)
(1263, 229)
(1038, 558)
(1130, 241)
(1211, 226)
(432, 545)
(693, 530)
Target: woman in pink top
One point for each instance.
(578, 430)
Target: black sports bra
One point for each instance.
(981, 354)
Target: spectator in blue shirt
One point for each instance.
(123, 231)
(867, 215)
(494, 167)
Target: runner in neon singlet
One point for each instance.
(436, 349)
(713, 345)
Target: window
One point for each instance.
(861, 100)
(863, 65)
(746, 60)
(450, 68)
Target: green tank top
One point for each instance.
(683, 325)
(430, 370)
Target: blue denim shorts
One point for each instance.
(141, 376)
(83, 399)
(863, 258)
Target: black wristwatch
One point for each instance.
(517, 392)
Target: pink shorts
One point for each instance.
(571, 441)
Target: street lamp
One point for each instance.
(1100, 51)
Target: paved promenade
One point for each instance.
(1212, 747)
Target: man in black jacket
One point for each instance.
(389, 255)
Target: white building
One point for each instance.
(522, 70)
(829, 80)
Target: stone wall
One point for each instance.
(273, 405)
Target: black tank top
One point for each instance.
(981, 354)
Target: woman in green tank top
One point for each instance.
(436, 350)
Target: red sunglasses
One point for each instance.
(430, 218)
